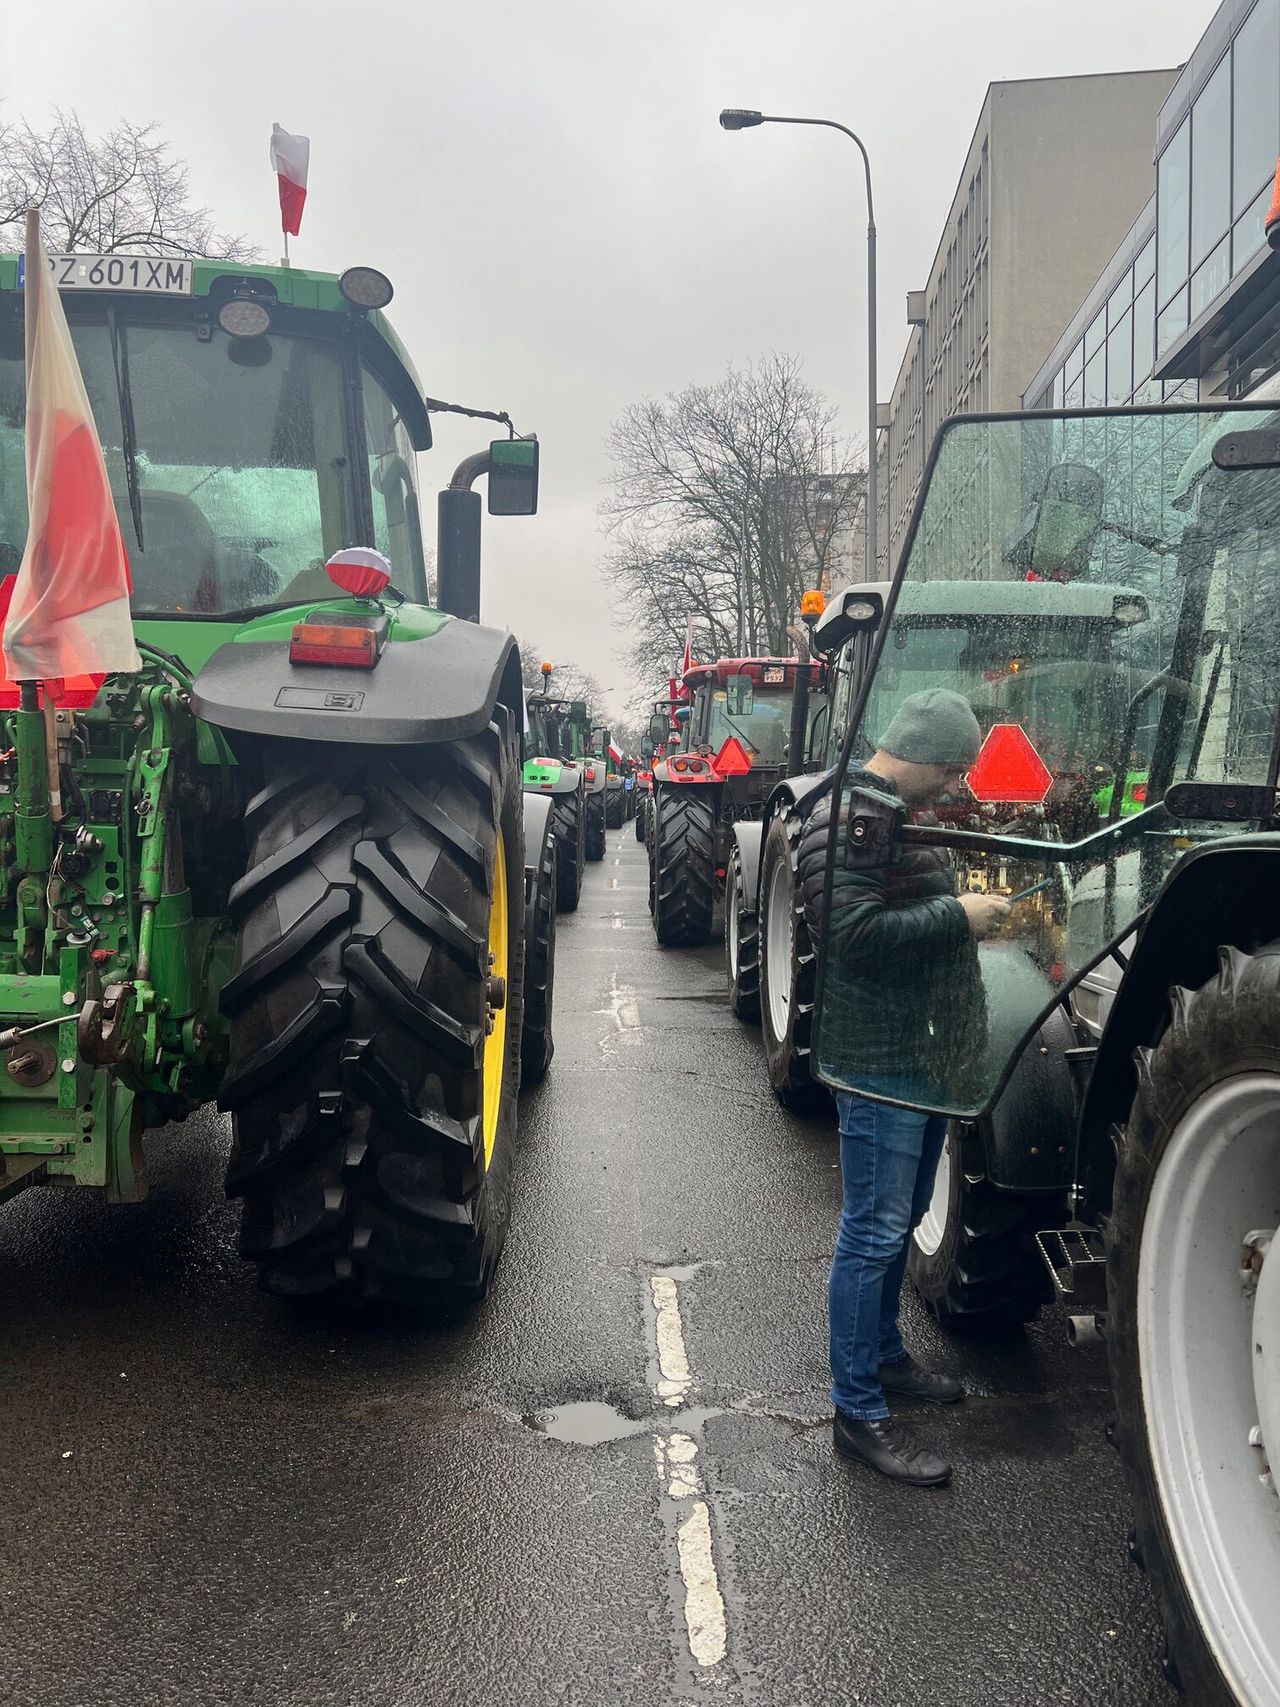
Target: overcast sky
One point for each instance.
(566, 226)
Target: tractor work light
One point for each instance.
(1128, 610)
(861, 610)
(244, 317)
(353, 644)
(366, 287)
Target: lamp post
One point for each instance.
(740, 118)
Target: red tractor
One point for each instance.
(732, 750)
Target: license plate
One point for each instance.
(774, 673)
(155, 275)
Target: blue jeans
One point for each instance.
(888, 1157)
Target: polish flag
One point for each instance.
(290, 157)
(678, 689)
(68, 609)
(615, 753)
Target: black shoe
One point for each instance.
(906, 1380)
(885, 1447)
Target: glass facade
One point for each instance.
(1213, 188)
(1214, 176)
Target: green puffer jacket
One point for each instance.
(902, 992)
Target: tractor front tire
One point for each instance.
(615, 807)
(595, 826)
(741, 945)
(537, 1045)
(684, 886)
(569, 821)
(973, 1258)
(788, 972)
(376, 1008)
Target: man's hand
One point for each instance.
(985, 913)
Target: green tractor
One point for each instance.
(556, 768)
(1108, 1059)
(596, 770)
(291, 868)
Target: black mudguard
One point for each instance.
(1226, 892)
(437, 689)
(1030, 1133)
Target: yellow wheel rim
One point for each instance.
(495, 1044)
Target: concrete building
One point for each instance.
(1054, 174)
(1188, 305)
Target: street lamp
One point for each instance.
(744, 118)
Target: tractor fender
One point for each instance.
(537, 816)
(748, 837)
(438, 688)
(1029, 1135)
(1224, 893)
(803, 792)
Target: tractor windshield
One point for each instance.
(762, 731)
(1106, 599)
(243, 479)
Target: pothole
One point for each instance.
(585, 1422)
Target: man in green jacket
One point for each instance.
(903, 997)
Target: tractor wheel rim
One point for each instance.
(731, 922)
(780, 928)
(495, 1043)
(1209, 1360)
(933, 1227)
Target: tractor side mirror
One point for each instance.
(658, 727)
(646, 749)
(599, 739)
(740, 695)
(577, 711)
(513, 477)
(871, 826)
(1055, 539)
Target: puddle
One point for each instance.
(587, 1422)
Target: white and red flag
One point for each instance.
(68, 610)
(290, 157)
(615, 753)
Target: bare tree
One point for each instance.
(120, 191)
(727, 501)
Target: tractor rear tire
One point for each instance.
(595, 826)
(537, 1045)
(571, 846)
(373, 1112)
(741, 946)
(973, 1258)
(684, 864)
(614, 809)
(788, 972)
(1198, 1170)
(640, 814)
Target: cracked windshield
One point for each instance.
(1086, 617)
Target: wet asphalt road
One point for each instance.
(211, 1498)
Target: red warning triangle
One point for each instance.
(732, 758)
(1008, 769)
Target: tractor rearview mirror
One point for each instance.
(1056, 536)
(658, 728)
(740, 695)
(513, 477)
(646, 748)
(577, 711)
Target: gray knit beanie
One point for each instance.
(933, 727)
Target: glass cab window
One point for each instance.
(1102, 602)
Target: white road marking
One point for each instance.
(624, 1009)
(617, 862)
(673, 1363)
(613, 882)
(703, 1602)
(676, 1456)
(617, 921)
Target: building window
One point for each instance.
(1173, 212)
(1144, 331)
(1144, 267)
(1209, 279)
(1255, 121)
(1249, 231)
(1211, 164)
(1172, 323)
(1120, 361)
(1095, 379)
(1094, 336)
(1119, 300)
